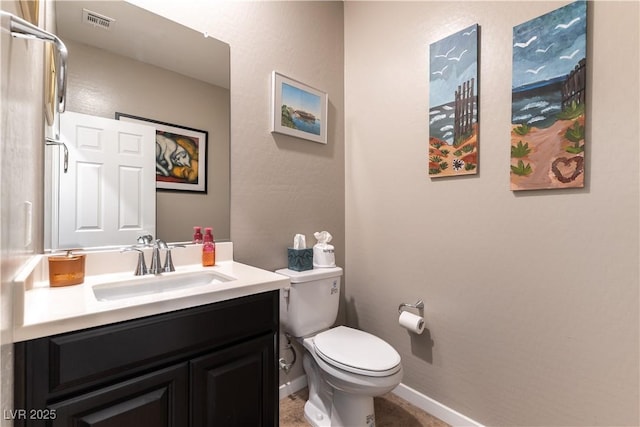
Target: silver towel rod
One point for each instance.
(52, 141)
(24, 29)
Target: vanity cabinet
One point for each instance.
(213, 365)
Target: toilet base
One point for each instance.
(347, 410)
(329, 407)
(317, 410)
(352, 410)
(316, 416)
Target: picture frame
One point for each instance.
(30, 10)
(181, 155)
(298, 109)
(50, 84)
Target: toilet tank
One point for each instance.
(310, 305)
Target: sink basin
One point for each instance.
(148, 285)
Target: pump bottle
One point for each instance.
(208, 248)
(197, 235)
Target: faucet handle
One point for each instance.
(168, 262)
(156, 265)
(141, 268)
(145, 240)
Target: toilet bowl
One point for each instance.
(345, 367)
(349, 368)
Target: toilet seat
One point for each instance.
(357, 351)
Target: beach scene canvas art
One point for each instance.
(548, 100)
(453, 104)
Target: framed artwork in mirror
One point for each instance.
(50, 84)
(181, 155)
(30, 10)
(298, 109)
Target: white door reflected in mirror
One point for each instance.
(107, 196)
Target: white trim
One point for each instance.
(434, 407)
(293, 386)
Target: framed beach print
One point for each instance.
(298, 110)
(181, 155)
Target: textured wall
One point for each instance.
(531, 297)
(21, 162)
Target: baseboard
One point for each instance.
(292, 386)
(434, 407)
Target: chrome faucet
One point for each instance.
(156, 264)
(141, 268)
(168, 262)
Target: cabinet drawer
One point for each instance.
(86, 357)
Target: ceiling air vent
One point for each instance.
(97, 20)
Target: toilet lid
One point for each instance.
(357, 351)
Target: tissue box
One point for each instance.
(300, 259)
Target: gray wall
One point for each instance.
(531, 297)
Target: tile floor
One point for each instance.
(391, 411)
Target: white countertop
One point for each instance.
(41, 310)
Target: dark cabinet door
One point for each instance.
(236, 386)
(159, 399)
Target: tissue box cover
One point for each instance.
(300, 259)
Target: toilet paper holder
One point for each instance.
(418, 305)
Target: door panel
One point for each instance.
(155, 400)
(108, 193)
(235, 386)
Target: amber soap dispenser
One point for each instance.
(66, 270)
(208, 248)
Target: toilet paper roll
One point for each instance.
(411, 322)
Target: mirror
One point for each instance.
(125, 59)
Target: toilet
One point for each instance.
(345, 367)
